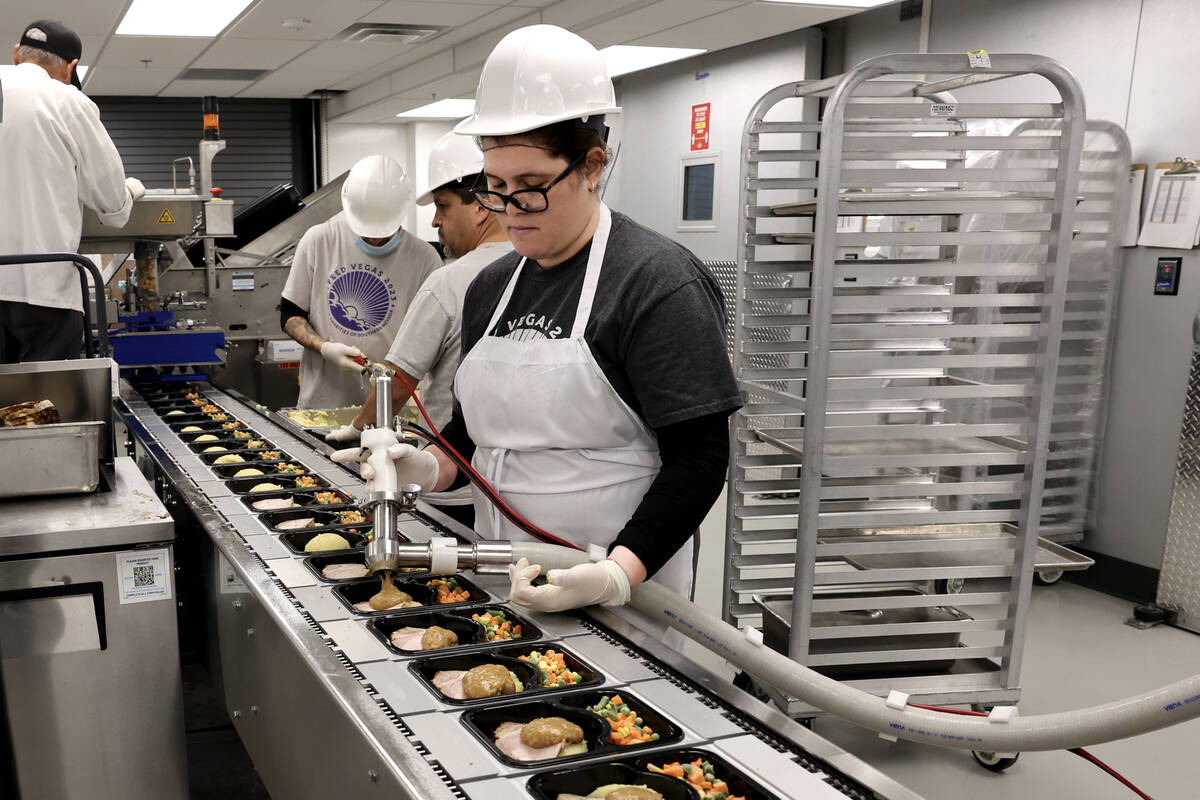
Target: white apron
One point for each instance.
(553, 436)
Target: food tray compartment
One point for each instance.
(57, 458)
(323, 518)
(426, 667)
(182, 417)
(470, 632)
(296, 540)
(242, 486)
(229, 442)
(358, 591)
(206, 425)
(740, 785)
(303, 498)
(249, 457)
(318, 562)
(483, 722)
(583, 780)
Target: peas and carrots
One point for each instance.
(553, 668)
(498, 627)
(448, 591)
(701, 776)
(626, 726)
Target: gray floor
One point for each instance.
(1079, 653)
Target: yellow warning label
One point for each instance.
(165, 218)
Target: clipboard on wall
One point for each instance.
(1173, 207)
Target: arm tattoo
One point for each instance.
(299, 329)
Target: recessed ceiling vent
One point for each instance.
(198, 74)
(394, 33)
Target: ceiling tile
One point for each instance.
(161, 51)
(95, 17)
(205, 88)
(572, 13)
(237, 53)
(651, 19)
(740, 25)
(290, 82)
(265, 20)
(428, 13)
(474, 52)
(348, 56)
(128, 80)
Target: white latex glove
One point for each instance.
(343, 433)
(412, 465)
(342, 355)
(136, 189)
(598, 583)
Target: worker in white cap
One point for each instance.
(595, 389)
(428, 346)
(351, 282)
(54, 155)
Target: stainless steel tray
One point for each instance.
(50, 459)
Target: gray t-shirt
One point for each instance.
(657, 324)
(428, 345)
(353, 298)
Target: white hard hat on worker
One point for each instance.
(453, 158)
(376, 197)
(536, 76)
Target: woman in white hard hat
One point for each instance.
(351, 281)
(595, 390)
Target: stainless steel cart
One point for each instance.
(893, 444)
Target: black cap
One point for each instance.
(54, 37)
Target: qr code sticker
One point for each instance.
(143, 576)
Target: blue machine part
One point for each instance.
(171, 347)
(146, 318)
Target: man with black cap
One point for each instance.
(54, 154)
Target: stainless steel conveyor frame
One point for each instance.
(892, 445)
(326, 710)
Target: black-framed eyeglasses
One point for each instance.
(531, 201)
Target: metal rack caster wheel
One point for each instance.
(993, 762)
(1047, 577)
(949, 586)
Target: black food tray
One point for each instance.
(352, 592)
(470, 632)
(584, 780)
(242, 486)
(482, 722)
(206, 425)
(304, 498)
(319, 561)
(295, 540)
(507, 655)
(325, 519)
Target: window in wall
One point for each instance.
(698, 190)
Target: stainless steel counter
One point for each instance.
(323, 706)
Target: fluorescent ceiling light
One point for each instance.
(82, 70)
(622, 59)
(450, 108)
(179, 18)
(853, 3)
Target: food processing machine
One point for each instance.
(326, 702)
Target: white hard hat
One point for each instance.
(453, 157)
(376, 197)
(536, 76)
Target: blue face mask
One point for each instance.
(382, 249)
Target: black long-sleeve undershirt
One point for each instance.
(695, 457)
(287, 310)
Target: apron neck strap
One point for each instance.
(591, 279)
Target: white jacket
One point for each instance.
(54, 153)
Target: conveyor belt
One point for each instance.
(300, 664)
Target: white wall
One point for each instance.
(655, 131)
(1134, 61)
(409, 143)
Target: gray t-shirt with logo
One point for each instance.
(656, 330)
(353, 298)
